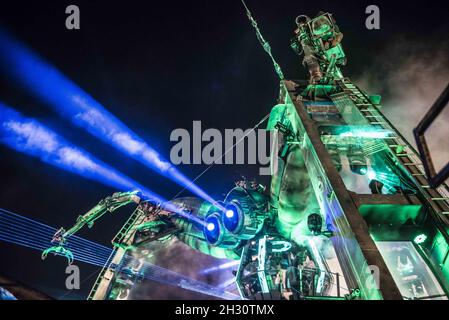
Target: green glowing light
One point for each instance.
(420, 238)
(371, 175)
(377, 134)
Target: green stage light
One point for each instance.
(420, 238)
(371, 175)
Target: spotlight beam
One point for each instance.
(223, 266)
(13, 235)
(71, 102)
(28, 136)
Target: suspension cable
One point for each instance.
(223, 154)
(266, 46)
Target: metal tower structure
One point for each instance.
(350, 213)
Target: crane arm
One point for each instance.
(108, 204)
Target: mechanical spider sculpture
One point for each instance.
(278, 237)
(247, 229)
(311, 235)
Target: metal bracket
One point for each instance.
(435, 179)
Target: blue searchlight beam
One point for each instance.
(71, 102)
(33, 138)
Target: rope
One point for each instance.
(222, 155)
(266, 46)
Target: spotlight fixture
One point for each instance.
(420, 238)
(229, 214)
(213, 229)
(376, 186)
(315, 223)
(357, 160)
(233, 218)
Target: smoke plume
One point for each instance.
(410, 75)
(178, 257)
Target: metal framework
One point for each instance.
(435, 179)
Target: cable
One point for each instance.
(266, 46)
(19, 231)
(24, 218)
(28, 230)
(41, 248)
(77, 252)
(34, 235)
(38, 225)
(93, 273)
(223, 154)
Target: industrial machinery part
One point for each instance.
(108, 204)
(319, 40)
(350, 213)
(435, 179)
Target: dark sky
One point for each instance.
(159, 65)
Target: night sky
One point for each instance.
(159, 66)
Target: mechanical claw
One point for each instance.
(59, 250)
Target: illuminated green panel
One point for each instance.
(348, 110)
(440, 251)
(413, 277)
(394, 214)
(348, 248)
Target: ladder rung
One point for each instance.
(368, 110)
(412, 164)
(440, 199)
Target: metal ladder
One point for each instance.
(123, 235)
(405, 154)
